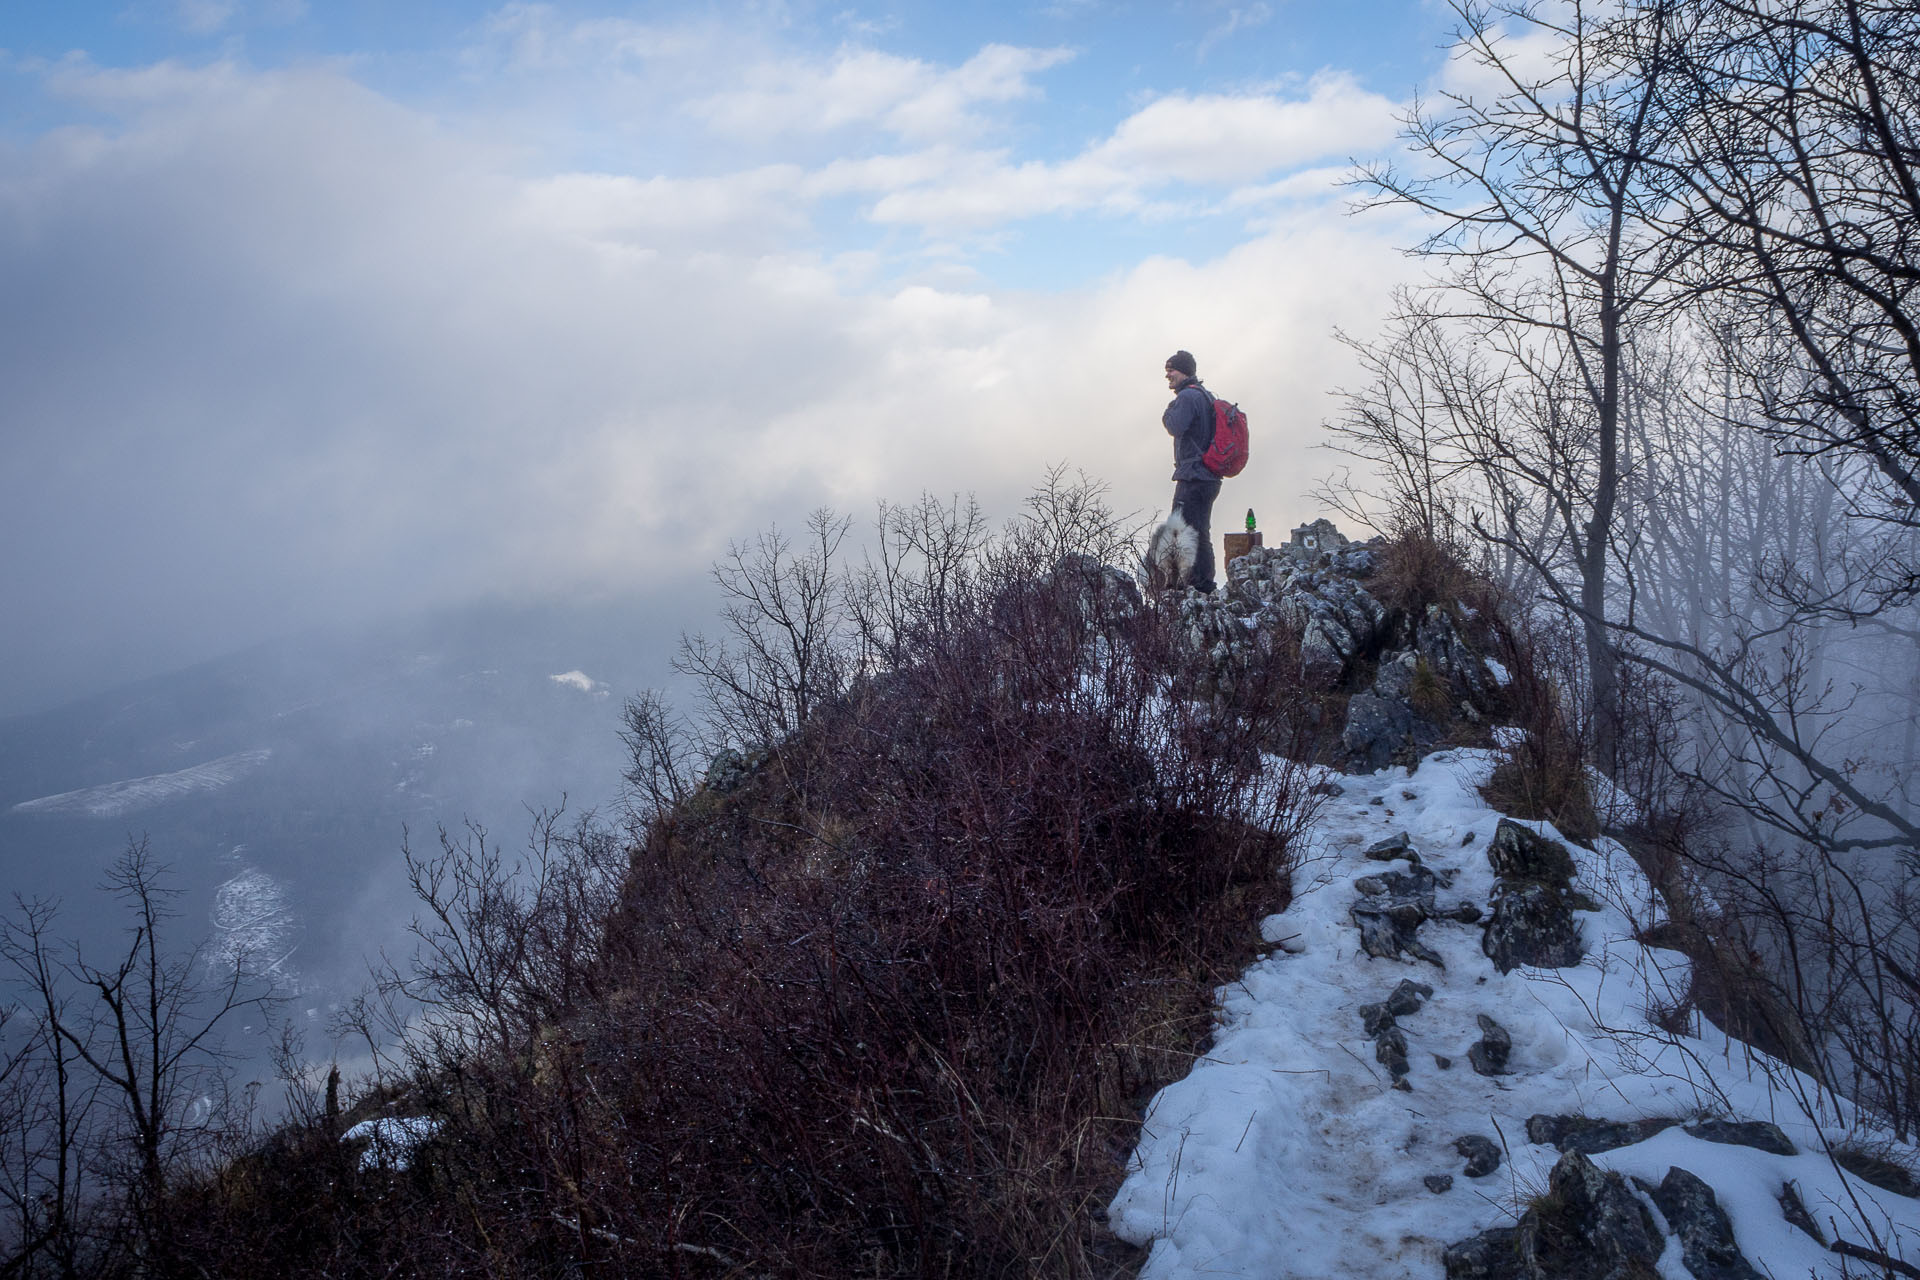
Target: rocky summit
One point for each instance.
(1402, 681)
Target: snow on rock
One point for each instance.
(112, 799)
(391, 1139)
(1315, 1141)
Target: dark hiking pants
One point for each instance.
(1193, 499)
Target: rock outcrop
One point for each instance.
(1393, 684)
(1392, 907)
(1399, 683)
(1589, 1226)
(1531, 918)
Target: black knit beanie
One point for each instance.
(1182, 361)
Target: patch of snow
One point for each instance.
(112, 799)
(1616, 807)
(252, 926)
(1287, 1153)
(1508, 736)
(391, 1139)
(1497, 669)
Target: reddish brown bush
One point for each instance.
(888, 1004)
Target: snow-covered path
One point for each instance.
(1287, 1152)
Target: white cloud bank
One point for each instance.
(280, 350)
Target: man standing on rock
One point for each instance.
(1189, 420)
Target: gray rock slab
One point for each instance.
(1531, 923)
(1407, 997)
(1707, 1248)
(1519, 854)
(1394, 846)
(1758, 1134)
(1491, 1255)
(1587, 1136)
(1590, 1225)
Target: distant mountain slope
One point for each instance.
(113, 799)
(278, 783)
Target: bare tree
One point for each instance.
(1673, 372)
(659, 746)
(48, 1119)
(1545, 196)
(908, 591)
(1737, 588)
(1427, 393)
(1794, 142)
(787, 644)
(1788, 135)
(127, 1071)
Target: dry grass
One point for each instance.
(1417, 570)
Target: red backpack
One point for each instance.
(1227, 455)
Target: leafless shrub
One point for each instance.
(504, 948)
(1880, 1163)
(1418, 568)
(787, 643)
(1540, 771)
(916, 983)
(882, 1005)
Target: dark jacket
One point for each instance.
(1189, 420)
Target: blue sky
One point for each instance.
(619, 90)
(322, 311)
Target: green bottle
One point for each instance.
(1249, 519)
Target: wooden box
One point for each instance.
(1238, 544)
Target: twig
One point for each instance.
(601, 1233)
(1847, 1248)
(1357, 1058)
(1244, 1132)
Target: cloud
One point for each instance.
(209, 17)
(903, 96)
(1223, 140)
(281, 351)
(1533, 54)
(1304, 184)
(202, 17)
(762, 205)
(1189, 144)
(577, 679)
(1237, 20)
(536, 38)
